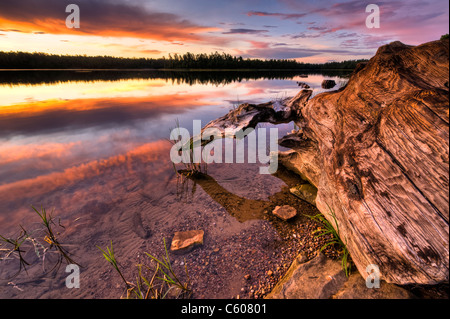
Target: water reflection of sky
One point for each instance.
(97, 153)
(50, 133)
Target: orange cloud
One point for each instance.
(134, 29)
(259, 45)
(101, 18)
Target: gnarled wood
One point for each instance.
(378, 153)
(383, 150)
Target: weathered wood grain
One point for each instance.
(384, 161)
(378, 153)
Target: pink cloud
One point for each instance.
(259, 44)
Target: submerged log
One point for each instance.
(249, 115)
(378, 153)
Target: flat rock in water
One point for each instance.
(306, 192)
(285, 212)
(185, 240)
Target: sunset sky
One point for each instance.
(310, 31)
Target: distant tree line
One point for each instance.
(189, 77)
(24, 60)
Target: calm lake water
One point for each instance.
(93, 147)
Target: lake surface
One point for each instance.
(92, 146)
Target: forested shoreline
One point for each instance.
(25, 60)
(190, 77)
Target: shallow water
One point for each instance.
(96, 152)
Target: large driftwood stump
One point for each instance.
(378, 152)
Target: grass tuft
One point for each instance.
(334, 238)
(15, 249)
(160, 284)
(50, 237)
(43, 241)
